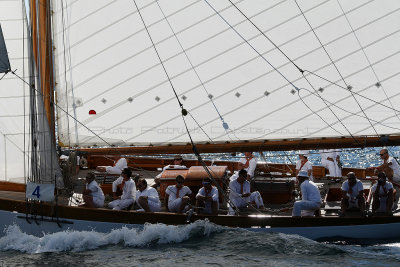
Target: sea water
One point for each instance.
(200, 243)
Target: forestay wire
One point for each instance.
(184, 113)
(224, 124)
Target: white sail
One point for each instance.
(14, 98)
(27, 149)
(106, 64)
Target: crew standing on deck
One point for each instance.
(248, 163)
(303, 164)
(330, 159)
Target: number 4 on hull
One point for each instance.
(43, 192)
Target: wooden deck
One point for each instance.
(12, 195)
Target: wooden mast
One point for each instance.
(43, 53)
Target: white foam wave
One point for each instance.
(69, 240)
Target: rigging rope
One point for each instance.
(333, 63)
(225, 125)
(367, 58)
(159, 58)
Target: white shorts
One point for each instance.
(174, 205)
(154, 206)
(120, 204)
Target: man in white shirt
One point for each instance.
(125, 184)
(208, 198)
(239, 194)
(177, 197)
(330, 159)
(311, 198)
(382, 195)
(352, 194)
(92, 195)
(147, 197)
(391, 168)
(304, 165)
(248, 163)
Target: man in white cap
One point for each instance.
(311, 198)
(304, 165)
(330, 159)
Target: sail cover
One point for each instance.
(244, 69)
(4, 61)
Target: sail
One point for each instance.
(4, 61)
(27, 143)
(244, 70)
(14, 95)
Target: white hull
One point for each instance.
(370, 231)
(47, 226)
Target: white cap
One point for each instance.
(303, 152)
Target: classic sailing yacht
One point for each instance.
(252, 76)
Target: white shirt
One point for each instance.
(309, 191)
(171, 191)
(306, 167)
(129, 190)
(95, 190)
(213, 194)
(235, 188)
(355, 188)
(171, 167)
(387, 186)
(329, 153)
(394, 166)
(118, 167)
(252, 165)
(151, 193)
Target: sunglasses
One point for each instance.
(382, 154)
(179, 182)
(206, 183)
